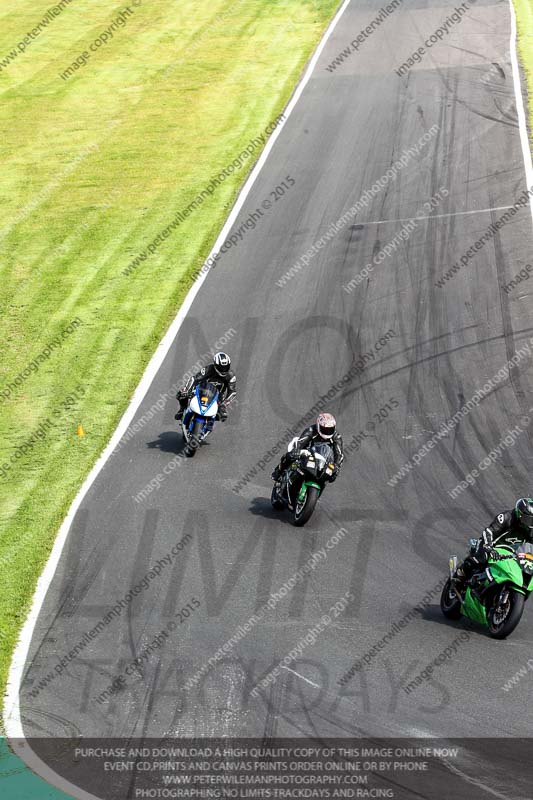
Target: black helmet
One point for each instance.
(524, 512)
(222, 363)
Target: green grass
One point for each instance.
(92, 169)
(524, 16)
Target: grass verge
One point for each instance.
(524, 18)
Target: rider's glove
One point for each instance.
(334, 475)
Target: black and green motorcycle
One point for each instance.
(494, 596)
(303, 482)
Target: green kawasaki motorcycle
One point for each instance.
(494, 596)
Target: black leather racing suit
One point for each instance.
(225, 384)
(504, 529)
(308, 436)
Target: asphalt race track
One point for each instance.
(291, 345)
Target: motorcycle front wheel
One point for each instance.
(504, 617)
(304, 509)
(277, 504)
(195, 439)
(450, 605)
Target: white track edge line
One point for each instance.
(522, 124)
(12, 716)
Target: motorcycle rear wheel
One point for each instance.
(502, 628)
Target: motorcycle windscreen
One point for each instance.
(323, 455)
(323, 450)
(207, 396)
(524, 553)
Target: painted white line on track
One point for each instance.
(300, 676)
(522, 125)
(439, 216)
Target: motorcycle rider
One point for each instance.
(509, 527)
(217, 373)
(324, 430)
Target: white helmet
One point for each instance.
(326, 425)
